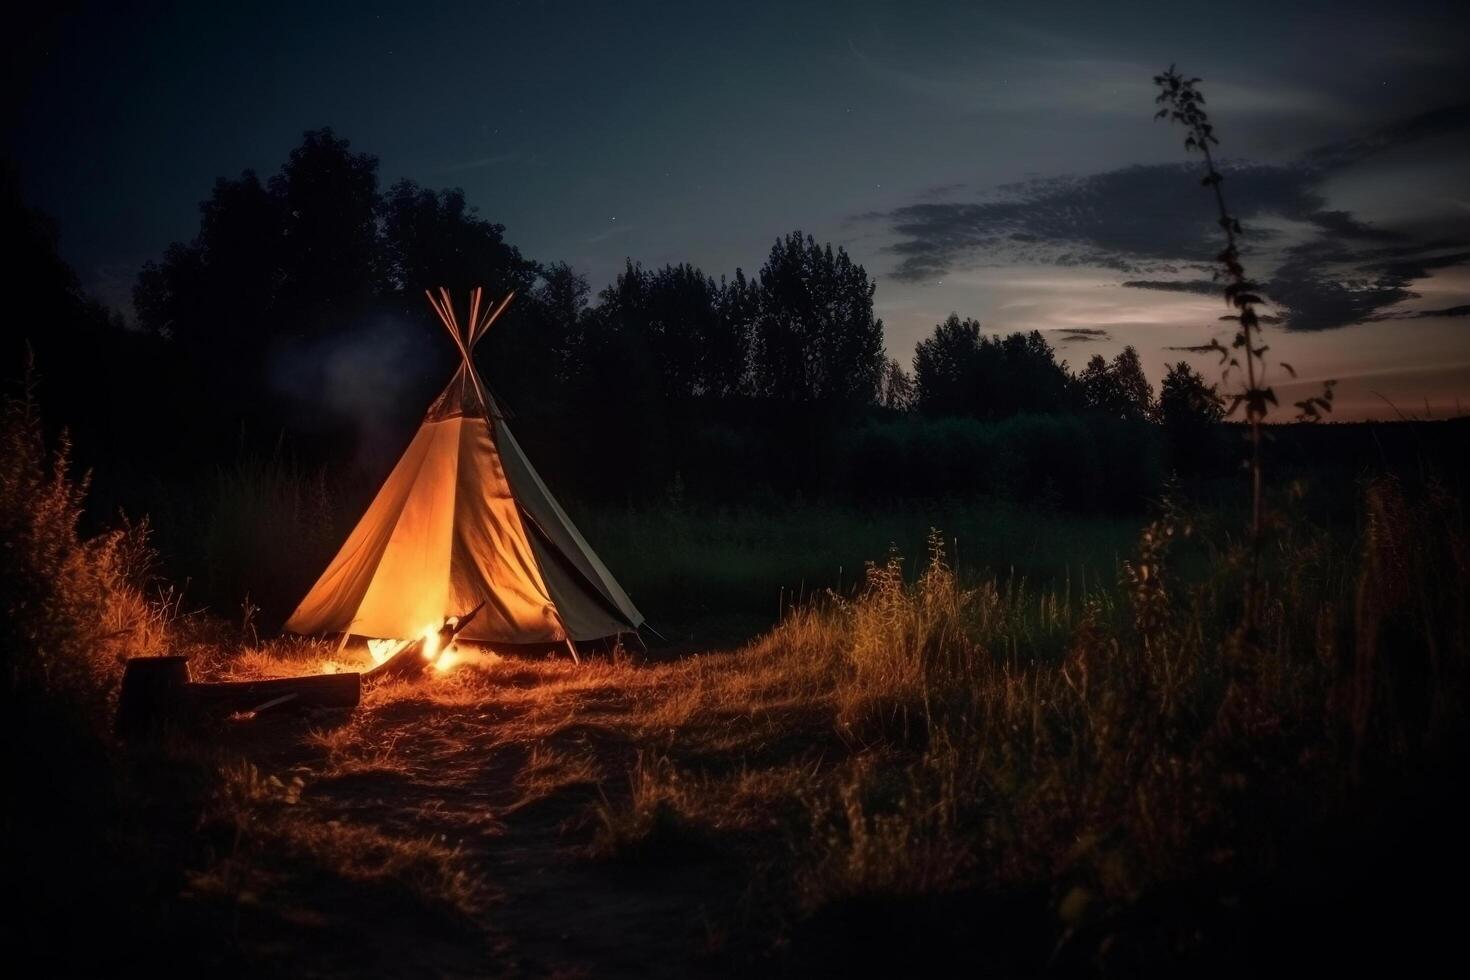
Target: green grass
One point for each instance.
(684, 564)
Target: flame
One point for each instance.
(442, 660)
(383, 649)
(449, 659)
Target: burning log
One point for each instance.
(156, 690)
(415, 656)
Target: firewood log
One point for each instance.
(342, 690)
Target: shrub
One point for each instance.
(72, 609)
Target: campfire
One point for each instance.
(158, 689)
(434, 648)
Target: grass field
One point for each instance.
(720, 575)
(931, 769)
(1026, 742)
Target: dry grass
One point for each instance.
(995, 738)
(72, 608)
(924, 736)
(266, 827)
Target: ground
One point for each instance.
(516, 782)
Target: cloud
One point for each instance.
(1324, 267)
(1082, 335)
(1137, 219)
(1444, 121)
(1205, 287)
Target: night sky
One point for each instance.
(992, 159)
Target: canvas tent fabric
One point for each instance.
(464, 517)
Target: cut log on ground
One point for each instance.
(158, 690)
(152, 693)
(342, 690)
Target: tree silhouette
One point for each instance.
(1190, 411)
(816, 339)
(561, 313)
(959, 371)
(947, 368)
(683, 321)
(1021, 375)
(434, 238)
(731, 355)
(329, 251)
(897, 391)
(1119, 389)
(1187, 401)
(212, 294)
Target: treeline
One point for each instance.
(668, 377)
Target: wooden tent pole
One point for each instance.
(491, 318)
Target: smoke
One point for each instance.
(369, 378)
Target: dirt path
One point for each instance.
(508, 768)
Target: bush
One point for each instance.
(72, 609)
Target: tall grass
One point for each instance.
(1122, 745)
(1097, 744)
(252, 537)
(72, 608)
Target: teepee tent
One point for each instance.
(462, 518)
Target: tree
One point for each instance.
(1022, 376)
(328, 251)
(434, 238)
(959, 371)
(1098, 391)
(215, 300)
(560, 301)
(212, 295)
(1186, 402)
(947, 367)
(897, 392)
(1119, 390)
(1190, 412)
(730, 371)
(1137, 393)
(297, 254)
(683, 321)
(816, 339)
